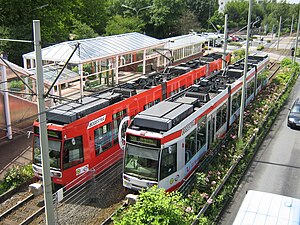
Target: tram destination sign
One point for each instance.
(143, 141)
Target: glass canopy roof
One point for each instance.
(97, 48)
(183, 41)
(50, 73)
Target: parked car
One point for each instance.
(234, 38)
(293, 120)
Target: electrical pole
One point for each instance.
(225, 41)
(292, 26)
(240, 134)
(6, 103)
(297, 39)
(278, 33)
(48, 197)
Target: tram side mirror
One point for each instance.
(122, 131)
(29, 133)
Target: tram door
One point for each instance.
(210, 130)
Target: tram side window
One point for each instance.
(156, 101)
(73, 152)
(224, 113)
(103, 138)
(168, 161)
(219, 119)
(236, 101)
(250, 88)
(221, 116)
(201, 133)
(190, 146)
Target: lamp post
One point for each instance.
(240, 131)
(137, 10)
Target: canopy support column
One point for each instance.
(144, 61)
(117, 70)
(80, 70)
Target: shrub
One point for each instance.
(286, 62)
(260, 47)
(17, 84)
(155, 206)
(18, 175)
(235, 44)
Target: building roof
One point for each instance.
(19, 70)
(97, 48)
(51, 71)
(183, 40)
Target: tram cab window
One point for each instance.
(190, 146)
(103, 138)
(168, 161)
(73, 152)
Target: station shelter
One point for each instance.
(184, 46)
(101, 62)
(102, 59)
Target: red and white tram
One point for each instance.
(84, 134)
(164, 144)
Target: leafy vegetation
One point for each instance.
(260, 47)
(16, 176)
(156, 206)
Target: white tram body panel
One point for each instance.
(180, 131)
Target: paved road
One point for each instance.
(276, 167)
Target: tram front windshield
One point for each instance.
(54, 152)
(141, 161)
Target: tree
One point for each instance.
(203, 9)
(4, 33)
(188, 22)
(93, 13)
(164, 17)
(81, 31)
(121, 25)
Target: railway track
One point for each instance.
(24, 208)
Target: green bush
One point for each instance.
(16, 176)
(235, 44)
(16, 84)
(155, 206)
(286, 62)
(260, 47)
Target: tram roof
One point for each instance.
(97, 48)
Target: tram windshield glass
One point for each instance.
(54, 152)
(141, 161)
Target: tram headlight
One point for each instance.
(126, 178)
(149, 184)
(55, 174)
